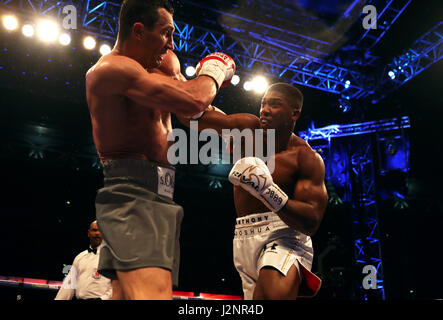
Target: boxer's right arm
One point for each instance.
(123, 76)
(216, 119)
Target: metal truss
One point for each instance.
(424, 52)
(337, 130)
(361, 174)
(248, 55)
(263, 48)
(367, 247)
(100, 18)
(388, 11)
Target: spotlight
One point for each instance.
(235, 80)
(248, 86)
(260, 84)
(10, 22)
(344, 105)
(391, 75)
(105, 49)
(47, 30)
(190, 71)
(89, 42)
(64, 39)
(347, 84)
(28, 30)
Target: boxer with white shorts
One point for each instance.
(277, 212)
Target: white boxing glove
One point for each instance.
(253, 175)
(219, 66)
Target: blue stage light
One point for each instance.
(344, 105)
(391, 75)
(347, 84)
(344, 108)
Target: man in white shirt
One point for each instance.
(83, 280)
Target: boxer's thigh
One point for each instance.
(149, 283)
(117, 291)
(273, 285)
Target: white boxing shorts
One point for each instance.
(263, 239)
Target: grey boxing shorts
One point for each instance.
(139, 222)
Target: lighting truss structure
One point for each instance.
(367, 247)
(424, 52)
(262, 50)
(337, 130)
(366, 234)
(101, 17)
(390, 12)
(196, 42)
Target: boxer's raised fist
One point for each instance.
(253, 175)
(219, 66)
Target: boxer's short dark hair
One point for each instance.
(293, 94)
(144, 11)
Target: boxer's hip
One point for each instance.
(266, 227)
(257, 234)
(155, 177)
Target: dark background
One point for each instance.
(47, 204)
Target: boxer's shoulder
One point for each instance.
(298, 155)
(112, 74)
(308, 160)
(113, 66)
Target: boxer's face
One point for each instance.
(159, 40)
(95, 237)
(276, 111)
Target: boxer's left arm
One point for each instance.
(304, 212)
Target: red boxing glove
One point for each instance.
(219, 66)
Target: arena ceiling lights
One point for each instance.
(258, 84)
(48, 31)
(10, 22)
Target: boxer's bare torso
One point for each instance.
(292, 159)
(286, 169)
(124, 129)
